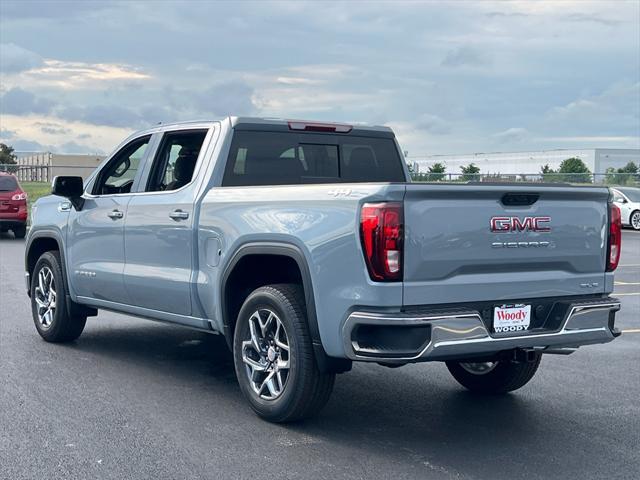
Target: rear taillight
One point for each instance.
(19, 196)
(615, 238)
(381, 234)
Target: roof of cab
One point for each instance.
(269, 124)
(266, 121)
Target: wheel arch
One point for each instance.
(47, 240)
(273, 253)
(39, 242)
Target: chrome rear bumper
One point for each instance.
(464, 334)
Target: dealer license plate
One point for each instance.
(511, 318)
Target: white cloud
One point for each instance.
(14, 58)
(433, 124)
(617, 106)
(69, 75)
(28, 132)
(447, 75)
(512, 135)
(465, 56)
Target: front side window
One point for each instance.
(118, 175)
(175, 162)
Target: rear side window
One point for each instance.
(175, 162)
(8, 183)
(289, 158)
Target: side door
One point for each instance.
(95, 235)
(159, 235)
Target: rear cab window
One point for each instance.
(292, 158)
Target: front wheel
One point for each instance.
(273, 356)
(497, 377)
(49, 309)
(634, 220)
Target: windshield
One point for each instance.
(8, 184)
(633, 194)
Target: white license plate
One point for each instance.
(511, 318)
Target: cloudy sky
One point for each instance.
(449, 77)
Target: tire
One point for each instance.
(297, 391)
(501, 377)
(53, 324)
(20, 232)
(634, 220)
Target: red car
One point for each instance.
(13, 205)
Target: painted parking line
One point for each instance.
(629, 265)
(631, 330)
(626, 294)
(627, 283)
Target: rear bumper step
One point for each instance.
(402, 337)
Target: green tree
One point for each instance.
(8, 159)
(574, 170)
(626, 175)
(549, 174)
(436, 172)
(470, 173)
(629, 168)
(610, 177)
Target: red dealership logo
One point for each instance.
(515, 224)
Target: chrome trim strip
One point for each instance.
(519, 337)
(483, 337)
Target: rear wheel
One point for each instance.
(497, 377)
(48, 306)
(634, 220)
(273, 356)
(20, 232)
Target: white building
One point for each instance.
(518, 163)
(43, 166)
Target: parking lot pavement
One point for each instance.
(138, 399)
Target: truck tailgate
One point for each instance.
(543, 241)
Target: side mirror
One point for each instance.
(69, 187)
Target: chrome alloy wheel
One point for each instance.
(635, 220)
(266, 354)
(45, 297)
(479, 368)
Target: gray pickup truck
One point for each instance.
(307, 246)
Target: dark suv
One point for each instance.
(13, 206)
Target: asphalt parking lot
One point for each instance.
(138, 399)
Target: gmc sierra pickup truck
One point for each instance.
(307, 246)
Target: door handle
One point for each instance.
(115, 214)
(179, 215)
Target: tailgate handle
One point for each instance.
(519, 199)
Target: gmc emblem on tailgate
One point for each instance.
(514, 224)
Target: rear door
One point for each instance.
(159, 236)
(484, 242)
